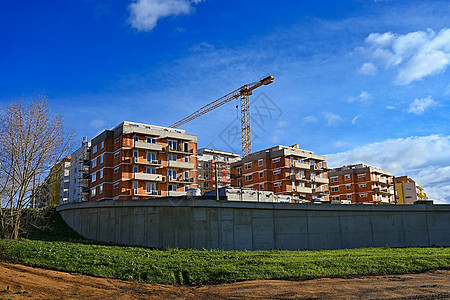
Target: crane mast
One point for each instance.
(244, 93)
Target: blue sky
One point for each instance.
(358, 81)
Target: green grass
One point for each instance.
(195, 267)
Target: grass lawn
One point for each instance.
(66, 251)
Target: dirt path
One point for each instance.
(22, 282)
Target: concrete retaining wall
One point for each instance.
(200, 223)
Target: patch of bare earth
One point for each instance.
(20, 282)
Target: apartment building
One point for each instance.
(285, 171)
(407, 191)
(210, 162)
(361, 183)
(79, 173)
(136, 161)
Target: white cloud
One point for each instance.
(415, 55)
(310, 119)
(425, 159)
(97, 124)
(368, 69)
(332, 118)
(355, 119)
(390, 107)
(364, 97)
(144, 14)
(418, 106)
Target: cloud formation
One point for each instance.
(332, 118)
(414, 55)
(425, 159)
(364, 97)
(418, 106)
(368, 69)
(144, 14)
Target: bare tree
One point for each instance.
(31, 142)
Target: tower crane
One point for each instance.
(244, 93)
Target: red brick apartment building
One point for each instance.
(285, 171)
(136, 160)
(361, 183)
(208, 159)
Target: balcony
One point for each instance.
(148, 146)
(84, 182)
(300, 165)
(149, 194)
(148, 177)
(180, 164)
(180, 179)
(180, 151)
(320, 180)
(320, 193)
(303, 189)
(137, 161)
(383, 191)
(176, 193)
(298, 178)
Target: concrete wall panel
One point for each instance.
(192, 223)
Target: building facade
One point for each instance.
(210, 161)
(361, 183)
(79, 173)
(285, 171)
(407, 191)
(136, 160)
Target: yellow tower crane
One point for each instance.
(244, 93)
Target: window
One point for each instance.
(348, 187)
(93, 192)
(362, 195)
(301, 160)
(186, 188)
(312, 162)
(94, 162)
(101, 173)
(361, 175)
(94, 177)
(320, 165)
(100, 189)
(248, 177)
(335, 189)
(334, 179)
(135, 169)
(116, 185)
(301, 174)
(172, 174)
(116, 170)
(361, 185)
(172, 145)
(117, 140)
(275, 160)
(102, 144)
(261, 174)
(248, 166)
(151, 140)
(150, 188)
(135, 187)
(239, 182)
(349, 196)
(136, 138)
(239, 171)
(186, 175)
(94, 149)
(101, 158)
(186, 159)
(261, 186)
(336, 198)
(260, 163)
(347, 177)
(276, 172)
(277, 184)
(117, 154)
(171, 157)
(150, 170)
(172, 187)
(151, 158)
